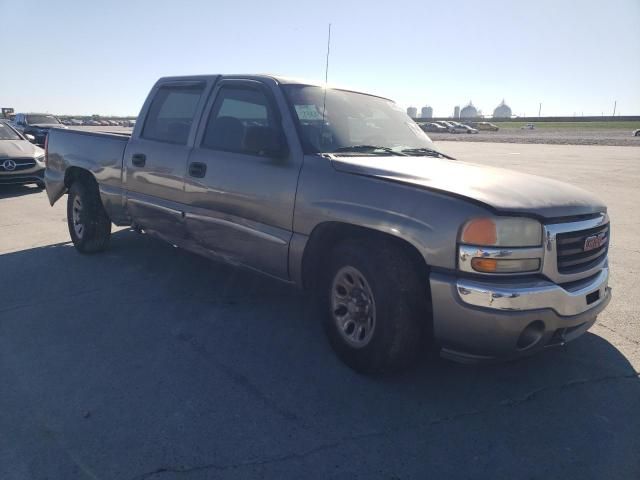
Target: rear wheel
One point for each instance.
(376, 308)
(89, 224)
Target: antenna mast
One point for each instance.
(326, 69)
(326, 80)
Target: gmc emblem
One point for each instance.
(594, 241)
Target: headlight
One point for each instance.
(40, 159)
(500, 245)
(502, 232)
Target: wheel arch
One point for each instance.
(74, 173)
(325, 236)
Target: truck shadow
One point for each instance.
(149, 358)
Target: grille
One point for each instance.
(571, 255)
(21, 164)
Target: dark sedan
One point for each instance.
(36, 124)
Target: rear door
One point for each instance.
(155, 159)
(242, 176)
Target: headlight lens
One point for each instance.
(502, 232)
(40, 159)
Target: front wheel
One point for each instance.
(89, 225)
(376, 307)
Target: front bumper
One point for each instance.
(476, 320)
(23, 177)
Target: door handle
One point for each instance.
(197, 169)
(138, 159)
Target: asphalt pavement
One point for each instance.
(148, 362)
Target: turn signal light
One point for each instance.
(493, 265)
(488, 265)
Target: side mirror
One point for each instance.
(30, 137)
(266, 141)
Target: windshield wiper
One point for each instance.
(368, 149)
(429, 152)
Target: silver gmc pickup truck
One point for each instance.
(339, 192)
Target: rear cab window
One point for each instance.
(171, 114)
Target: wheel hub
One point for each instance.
(353, 306)
(78, 226)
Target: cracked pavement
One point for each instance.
(147, 362)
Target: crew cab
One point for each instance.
(341, 193)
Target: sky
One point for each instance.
(102, 57)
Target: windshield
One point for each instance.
(352, 120)
(35, 119)
(7, 133)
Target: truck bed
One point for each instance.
(96, 151)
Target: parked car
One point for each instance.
(485, 126)
(36, 124)
(399, 242)
(446, 124)
(461, 128)
(469, 129)
(21, 162)
(433, 127)
(528, 126)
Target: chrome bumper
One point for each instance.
(478, 320)
(532, 295)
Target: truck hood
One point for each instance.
(505, 191)
(19, 149)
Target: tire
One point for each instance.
(382, 323)
(89, 224)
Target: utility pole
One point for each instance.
(539, 109)
(615, 104)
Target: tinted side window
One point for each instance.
(171, 114)
(241, 121)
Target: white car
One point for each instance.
(528, 126)
(21, 162)
(461, 128)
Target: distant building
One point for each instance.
(427, 112)
(456, 111)
(412, 112)
(502, 111)
(469, 111)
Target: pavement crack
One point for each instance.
(630, 340)
(231, 466)
(508, 403)
(238, 378)
(563, 386)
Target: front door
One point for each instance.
(241, 178)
